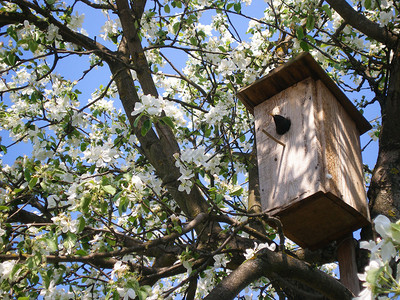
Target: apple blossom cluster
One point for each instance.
(190, 159)
(153, 106)
(380, 279)
(251, 252)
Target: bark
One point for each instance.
(254, 201)
(268, 263)
(384, 191)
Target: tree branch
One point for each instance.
(268, 263)
(362, 24)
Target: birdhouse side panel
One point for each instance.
(291, 172)
(340, 138)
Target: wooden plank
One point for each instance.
(318, 220)
(338, 132)
(288, 173)
(347, 264)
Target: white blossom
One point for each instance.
(6, 268)
(119, 269)
(101, 155)
(66, 223)
(52, 201)
(76, 21)
(52, 33)
(372, 134)
(150, 104)
(250, 252)
(110, 28)
(382, 226)
(226, 67)
(365, 294)
(385, 17)
(126, 293)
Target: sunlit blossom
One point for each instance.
(126, 293)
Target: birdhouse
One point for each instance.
(311, 172)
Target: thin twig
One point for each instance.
(276, 140)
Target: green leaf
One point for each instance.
(207, 133)
(47, 277)
(395, 232)
(144, 291)
(15, 270)
(23, 298)
(52, 243)
(81, 252)
(222, 49)
(311, 39)
(142, 295)
(33, 45)
(123, 205)
(83, 146)
(82, 224)
(103, 207)
(327, 10)
(219, 198)
(167, 9)
(176, 27)
(33, 182)
(168, 121)
(178, 4)
(110, 189)
(300, 33)
(237, 7)
(70, 240)
(367, 4)
(136, 122)
(17, 191)
(10, 59)
(33, 261)
(193, 40)
(146, 127)
(85, 203)
(304, 46)
(12, 33)
(27, 174)
(3, 148)
(4, 208)
(92, 169)
(310, 22)
(237, 192)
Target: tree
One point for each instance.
(161, 198)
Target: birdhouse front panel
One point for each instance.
(293, 170)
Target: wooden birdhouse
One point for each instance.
(311, 177)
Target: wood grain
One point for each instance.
(314, 183)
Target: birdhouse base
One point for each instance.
(318, 220)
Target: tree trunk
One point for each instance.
(384, 191)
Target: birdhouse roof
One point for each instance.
(294, 71)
